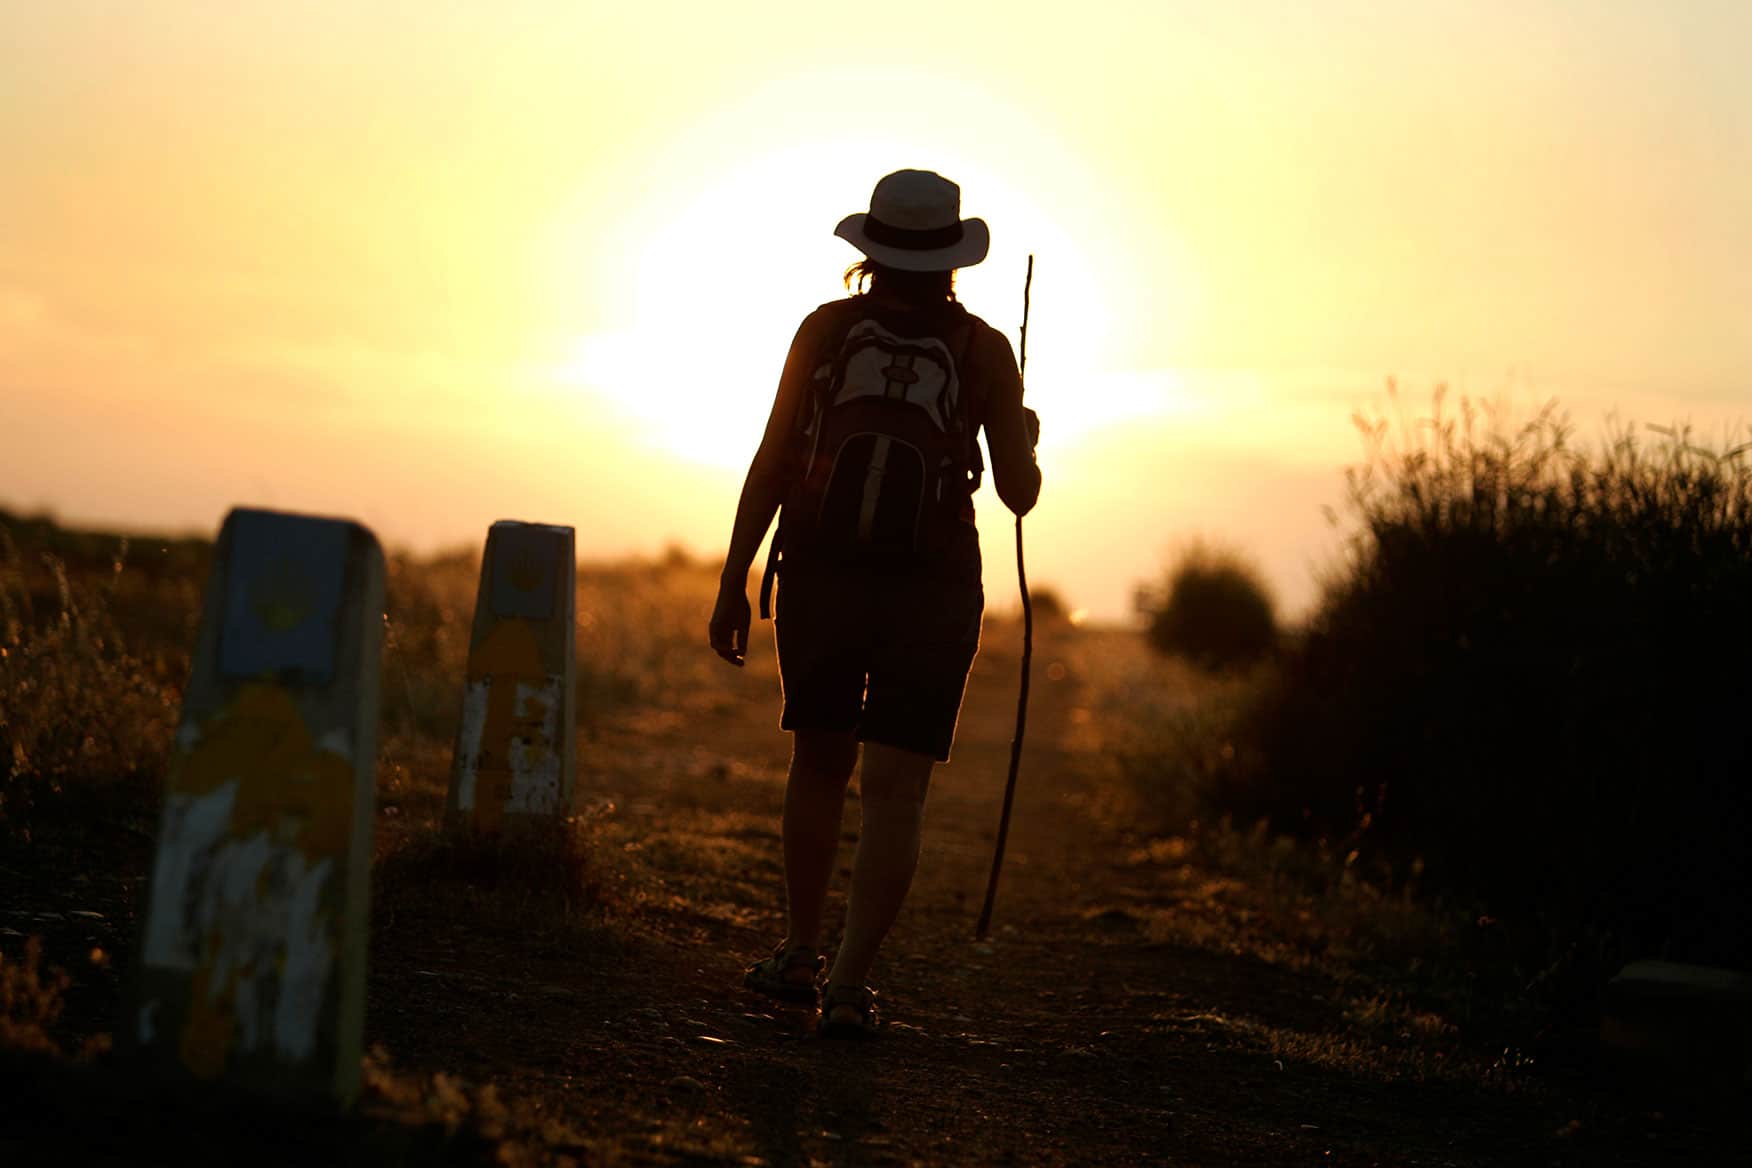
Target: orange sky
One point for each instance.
(433, 265)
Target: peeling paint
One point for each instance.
(309, 958)
(266, 950)
(535, 761)
(515, 742)
(509, 750)
(193, 828)
(255, 821)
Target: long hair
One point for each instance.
(867, 275)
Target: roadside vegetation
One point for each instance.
(1213, 609)
(1521, 696)
(1357, 879)
(95, 635)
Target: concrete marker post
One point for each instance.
(251, 970)
(1690, 1022)
(516, 746)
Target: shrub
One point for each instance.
(1528, 676)
(1214, 610)
(1049, 605)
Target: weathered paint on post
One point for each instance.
(516, 745)
(252, 954)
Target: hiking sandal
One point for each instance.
(848, 1012)
(776, 976)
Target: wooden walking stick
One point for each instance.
(991, 896)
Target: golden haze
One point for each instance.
(432, 267)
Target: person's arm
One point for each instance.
(762, 492)
(1011, 429)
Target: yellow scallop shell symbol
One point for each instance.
(281, 598)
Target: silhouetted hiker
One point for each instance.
(871, 450)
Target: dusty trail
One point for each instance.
(1130, 1007)
(1070, 1037)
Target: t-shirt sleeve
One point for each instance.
(778, 445)
(1014, 471)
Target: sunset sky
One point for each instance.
(432, 265)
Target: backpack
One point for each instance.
(888, 451)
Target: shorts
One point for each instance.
(884, 656)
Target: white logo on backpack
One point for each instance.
(919, 370)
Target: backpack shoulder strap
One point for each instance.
(964, 404)
(807, 410)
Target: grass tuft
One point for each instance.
(546, 865)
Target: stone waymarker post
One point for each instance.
(1690, 1020)
(516, 746)
(252, 957)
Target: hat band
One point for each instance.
(911, 238)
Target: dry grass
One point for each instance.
(31, 999)
(1414, 969)
(88, 694)
(640, 624)
(94, 652)
(514, 1131)
(544, 872)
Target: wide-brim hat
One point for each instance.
(914, 224)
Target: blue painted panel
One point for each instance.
(527, 562)
(283, 595)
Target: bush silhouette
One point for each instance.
(1214, 610)
(1529, 676)
(1049, 605)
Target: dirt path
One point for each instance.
(1074, 1036)
(1129, 1008)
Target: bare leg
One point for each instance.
(815, 797)
(892, 785)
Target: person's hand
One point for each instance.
(731, 617)
(1032, 421)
